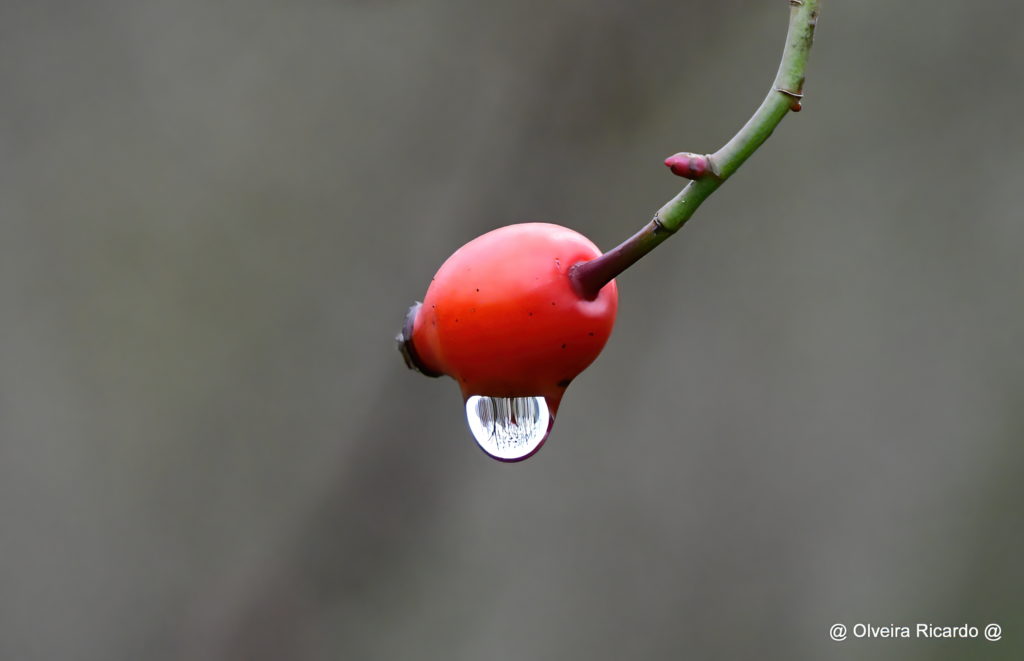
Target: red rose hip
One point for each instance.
(503, 319)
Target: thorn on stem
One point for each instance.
(794, 98)
(691, 166)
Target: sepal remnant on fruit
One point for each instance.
(406, 347)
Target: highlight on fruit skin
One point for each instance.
(503, 319)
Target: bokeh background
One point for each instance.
(214, 215)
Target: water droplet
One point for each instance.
(509, 428)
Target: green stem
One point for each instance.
(589, 277)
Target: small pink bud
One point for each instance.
(685, 164)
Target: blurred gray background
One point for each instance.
(214, 215)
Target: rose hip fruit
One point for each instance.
(503, 319)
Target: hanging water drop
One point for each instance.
(509, 428)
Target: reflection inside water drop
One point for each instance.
(508, 428)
